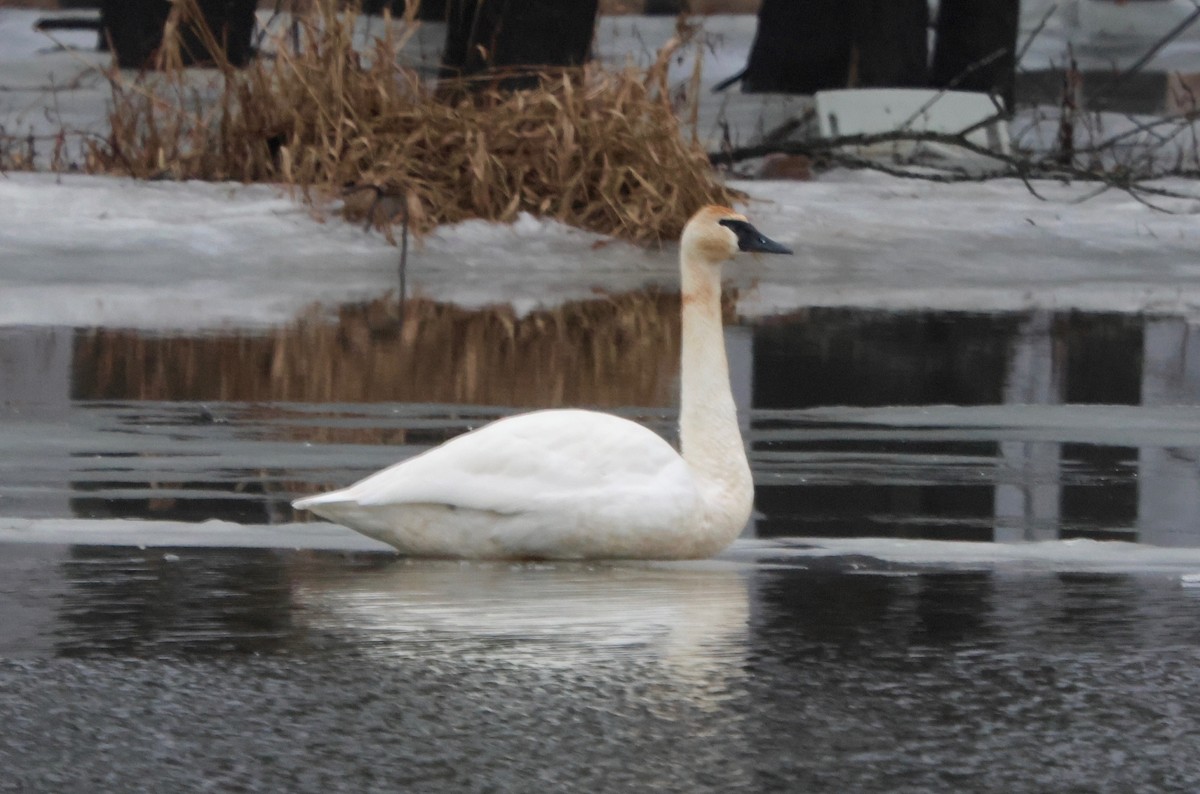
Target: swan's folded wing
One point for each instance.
(535, 461)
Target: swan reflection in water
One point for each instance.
(689, 620)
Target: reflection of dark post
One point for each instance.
(1026, 500)
(971, 31)
(803, 46)
(135, 29)
(35, 370)
(739, 347)
(1168, 498)
(509, 34)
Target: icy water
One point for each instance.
(834, 648)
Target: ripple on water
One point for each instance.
(306, 669)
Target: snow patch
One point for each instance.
(1076, 554)
(178, 534)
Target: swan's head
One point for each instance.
(716, 234)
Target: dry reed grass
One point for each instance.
(602, 150)
(16, 154)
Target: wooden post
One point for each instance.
(891, 43)
(804, 46)
(976, 47)
(487, 35)
(135, 30)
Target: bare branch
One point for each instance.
(1137, 65)
(840, 152)
(1033, 34)
(950, 86)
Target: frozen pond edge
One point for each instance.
(1076, 554)
(104, 252)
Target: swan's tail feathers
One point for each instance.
(334, 505)
(312, 502)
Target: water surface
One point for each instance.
(151, 670)
(954, 427)
(142, 651)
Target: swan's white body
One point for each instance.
(560, 483)
(571, 484)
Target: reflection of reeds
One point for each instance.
(598, 149)
(621, 350)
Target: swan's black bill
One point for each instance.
(751, 239)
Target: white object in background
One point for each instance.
(1141, 20)
(873, 111)
(1190, 580)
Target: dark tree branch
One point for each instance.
(838, 151)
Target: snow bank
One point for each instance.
(90, 251)
(869, 240)
(99, 251)
(95, 251)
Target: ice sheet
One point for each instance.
(1078, 554)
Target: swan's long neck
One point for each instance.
(710, 440)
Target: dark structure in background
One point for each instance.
(134, 30)
(804, 46)
(481, 35)
(435, 10)
(664, 7)
(429, 10)
(506, 35)
(801, 46)
(485, 35)
(976, 47)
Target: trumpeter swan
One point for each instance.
(571, 484)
